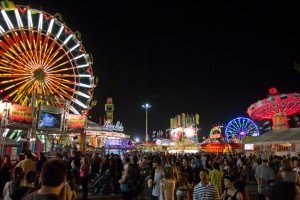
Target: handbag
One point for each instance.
(127, 186)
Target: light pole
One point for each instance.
(146, 106)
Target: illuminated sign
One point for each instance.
(21, 114)
(215, 136)
(111, 127)
(249, 147)
(76, 122)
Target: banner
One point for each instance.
(21, 114)
(76, 122)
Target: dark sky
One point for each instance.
(211, 58)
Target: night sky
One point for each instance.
(211, 58)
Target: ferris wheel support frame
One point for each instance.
(66, 108)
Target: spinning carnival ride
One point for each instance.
(277, 107)
(40, 54)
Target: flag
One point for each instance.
(192, 119)
(7, 5)
(197, 119)
(183, 120)
(178, 120)
(188, 120)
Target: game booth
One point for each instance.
(183, 140)
(231, 141)
(108, 138)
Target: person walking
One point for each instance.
(84, 175)
(230, 192)
(204, 189)
(264, 176)
(167, 185)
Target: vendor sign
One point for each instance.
(76, 122)
(21, 114)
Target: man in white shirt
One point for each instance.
(204, 190)
(264, 176)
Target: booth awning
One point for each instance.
(284, 135)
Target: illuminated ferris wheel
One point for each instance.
(40, 54)
(241, 127)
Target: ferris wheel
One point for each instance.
(241, 127)
(40, 54)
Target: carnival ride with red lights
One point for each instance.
(216, 143)
(277, 107)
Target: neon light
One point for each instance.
(7, 20)
(74, 110)
(83, 95)
(80, 103)
(80, 56)
(30, 24)
(40, 26)
(68, 38)
(1, 29)
(59, 32)
(19, 21)
(50, 26)
(84, 85)
(81, 66)
(84, 75)
(74, 47)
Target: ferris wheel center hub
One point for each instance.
(39, 74)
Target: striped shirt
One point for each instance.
(207, 192)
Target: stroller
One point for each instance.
(101, 184)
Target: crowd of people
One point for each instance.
(167, 176)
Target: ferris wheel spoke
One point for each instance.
(13, 80)
(62, 70)
(235, 125)
(60, 80)
(12, 75)
(18, 89)
(50, 61)
(44, 48)
(29, 50)
(63, 94)
(21, 62)
(19, 42)
(26, 40)
(39, 46)
(49, 51)
(13, 46)
(232, 129)
(61, 85)
(35, 45)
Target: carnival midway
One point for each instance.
(46, 91)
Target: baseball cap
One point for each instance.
(229, 177)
